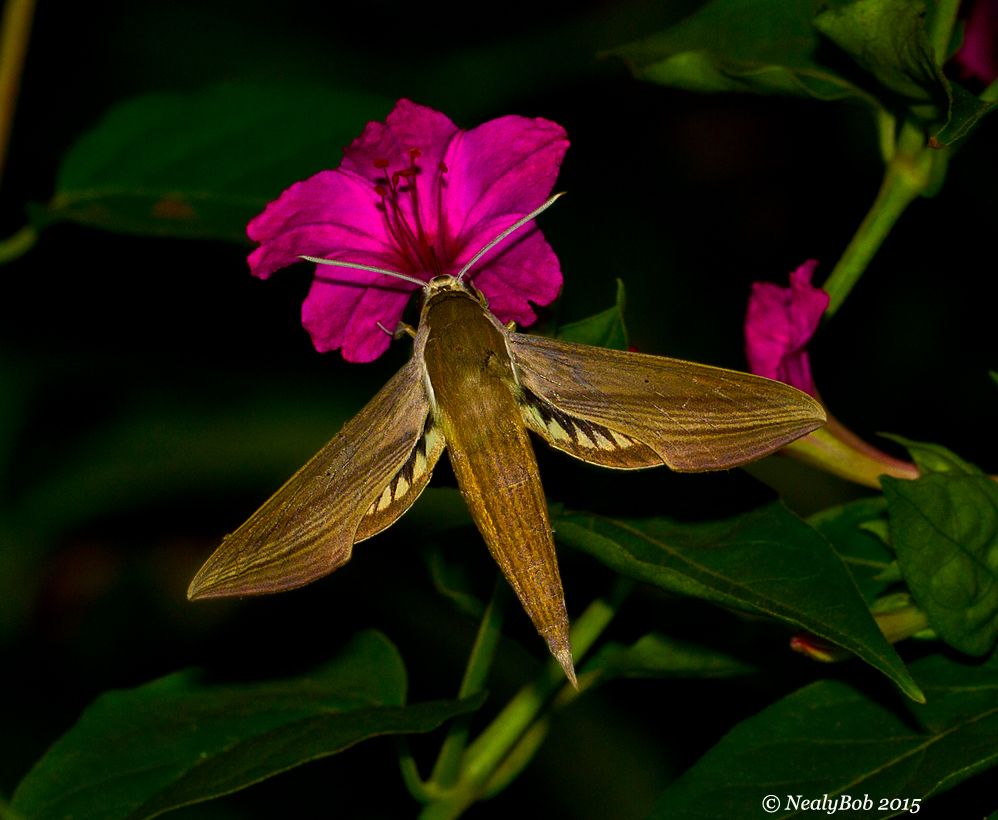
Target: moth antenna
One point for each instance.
(507, 232)
(354, 265)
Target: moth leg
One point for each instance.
(402, 329)
(511, 326)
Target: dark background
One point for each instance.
(687, 198)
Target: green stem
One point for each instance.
(908, 174)
(423, 792)
(448, 765)
(943, 20)
(487, 753)
(15, 31)
(17, 245)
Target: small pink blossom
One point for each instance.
(417, 195)
(977, 58)
(779, 324)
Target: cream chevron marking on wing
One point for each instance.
(401, 487)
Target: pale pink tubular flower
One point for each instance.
(417, 195)
(779, 324)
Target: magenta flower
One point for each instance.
(420, 196)
(977, 58)
(779, 324)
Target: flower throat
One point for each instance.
(411, 239)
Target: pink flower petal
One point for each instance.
(348, 316)
(469, 185)
(779, 324)
(977, 58)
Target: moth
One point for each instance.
(477, 388)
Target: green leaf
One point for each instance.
(888, 38)
(934, 458)
(139, 752)
(203, 165)
(846, 528)
(753, 46)
(659, 656)
(945, 529)
(829, 738)
(775, 47)
(766, 561)
(450, 580)
(965, 110)
(605, 329)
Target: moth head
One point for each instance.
(445, 283)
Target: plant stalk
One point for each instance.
(490, 749)
(908, 174)
(15, 31)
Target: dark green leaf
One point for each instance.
(659, 656)
(767, 561)
(829, 738)
(450, 580)
(862, 552)
(964, 112)
(888, 39)
(934, 458)
(945, 529)
(203, 165)
(605, 329)
(755, 46)
(139, 752)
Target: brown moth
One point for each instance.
(477, 388)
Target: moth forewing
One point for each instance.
(309, 526)
(607, 406)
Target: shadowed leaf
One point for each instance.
(202, 165)
(945, 532)
(139, 752)
(831, 739)
(659, 656)
(754, 46)
(847, 528)
(766, 561)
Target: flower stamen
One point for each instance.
(411, 239)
